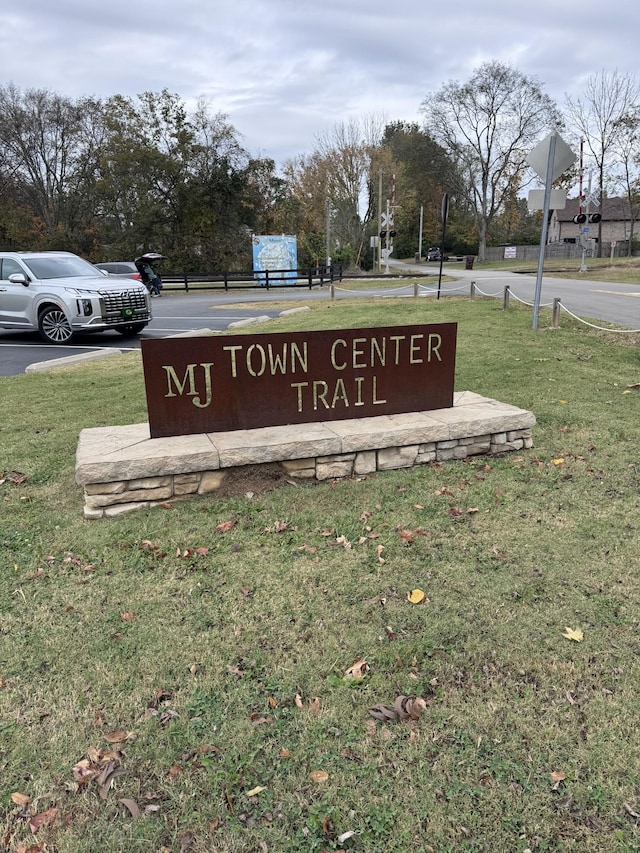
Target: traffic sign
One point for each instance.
(538, 159)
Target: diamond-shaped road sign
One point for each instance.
(538, 158)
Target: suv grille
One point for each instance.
(115, 303)
(123, 299)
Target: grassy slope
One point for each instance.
(196, 658)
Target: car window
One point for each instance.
(60, 267)
(9, 267)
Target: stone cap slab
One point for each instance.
(108, 454)
(274, 444)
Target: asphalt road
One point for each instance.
(180, 312)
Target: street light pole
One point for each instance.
(328, 247)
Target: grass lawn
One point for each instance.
(177, 679)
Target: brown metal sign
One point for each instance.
(230, 382)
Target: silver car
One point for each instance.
(60, 294)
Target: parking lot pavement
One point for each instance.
(173, 315)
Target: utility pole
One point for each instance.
(386, 242)
(328, 247)
(420, 234)
(379, 219)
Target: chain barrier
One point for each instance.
(500, 294)
(593, 325)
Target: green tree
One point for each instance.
(423, 173)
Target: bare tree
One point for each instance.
(488, 126)
(627, 161)
(335, 185)
(47, 148)
(609, 97)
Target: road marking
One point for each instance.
(616, 292)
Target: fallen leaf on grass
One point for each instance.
(408, 537)
(255, 791)
(43, 819)
(416, 596)
(573, 634)
(345, 835)
(84, 771)
(314, 704)
(379, 551)
(128, 616)
(319, 776)
(342, 540)
(358, 670)
(404, 708)
(630, 810)
(16, 477)
(131, 806)
(119, 736)
(21, 800)
(557, 776)
(226, 526)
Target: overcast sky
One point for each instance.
(285, 71)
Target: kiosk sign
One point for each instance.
(231, 382)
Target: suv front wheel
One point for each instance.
(53, 326)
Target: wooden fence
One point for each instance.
(308, 277)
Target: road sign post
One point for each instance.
(549, 159)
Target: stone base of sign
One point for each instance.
(122, 469)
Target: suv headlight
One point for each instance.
(84, 306)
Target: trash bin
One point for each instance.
(468, 262)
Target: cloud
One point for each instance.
(285, 72)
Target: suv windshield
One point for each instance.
(62, 266)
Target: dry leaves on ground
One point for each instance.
(404, 708)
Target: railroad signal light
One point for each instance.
(392, 233)
(580, 218)
(595, 217)
(383, 234)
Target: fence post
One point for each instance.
(333, 291)
(226, 280)
(472, 290)
(310, 278)
(505, 298)
(267, 278)
(555, 321)
(415, 289)
(186, 283)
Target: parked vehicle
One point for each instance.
(123, 269)
(60, 294)
(434, 254)
(145, 266)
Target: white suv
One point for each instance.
(60, 294)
